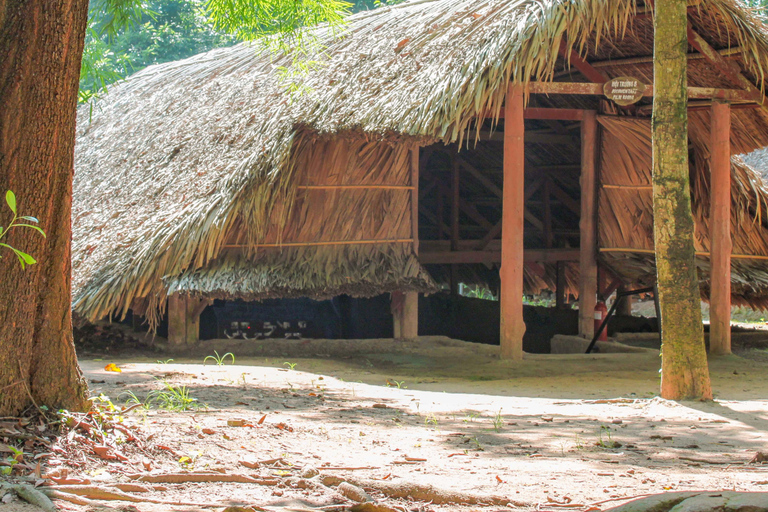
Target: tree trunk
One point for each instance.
(684, 371)
(41, 45)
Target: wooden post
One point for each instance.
(184, 319)
(195, 308)
(396, 307)
(410, 327)
(625, 308)
(720, 230)
(455, 200)
(588, 225)
(561, 301)
(512, 326)
(177, 317)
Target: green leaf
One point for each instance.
(30, 219)
(10, 198)
(32, 227)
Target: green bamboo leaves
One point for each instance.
(24, 258)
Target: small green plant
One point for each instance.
(219, 360)
(173, 398)
(400, 384)
(16, 457)
(477, 444)
(291, 366)
(579, 445)
(470, 417)
(167, 361)
(498, 421)
(431, 419)
(608, 442)
(24, 258)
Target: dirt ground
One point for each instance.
(442, 418)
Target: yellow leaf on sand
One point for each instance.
(112, 367)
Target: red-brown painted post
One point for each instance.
(720, 230)
(588, 225)
(513, 209)
(410, 327)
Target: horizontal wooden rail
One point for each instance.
(581, 88)
(704, 254)
(354, 187)
(609, 186)
(470, 256)
(329, 242)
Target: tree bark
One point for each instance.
(684, 371)
(41, 45)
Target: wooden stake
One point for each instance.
(512, 326)
(410, 327)
(720, 231)
(588, 225)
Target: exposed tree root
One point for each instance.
(93, 492)
(180, 478)
(419, 492)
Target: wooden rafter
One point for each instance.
(586, 69)
(729, 69)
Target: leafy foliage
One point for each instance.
(125, 36)
(27, 222)
(153, 32)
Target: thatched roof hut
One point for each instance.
(209, 177)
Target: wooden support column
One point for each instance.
(512, 326)
(410, 328)
(720, 230)
(588, 225)
(625, 308)
(184, 319)
(455, 206)
(561, 299)
(177, 318)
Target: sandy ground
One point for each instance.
(551, 430)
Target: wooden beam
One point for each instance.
(588, 225)
(554, 114)
(441, 226)
(492, 234)
(442, 257)
(728, 68)
(512, 326)
(572, 57)
(532, 138)
(646, 59)
(479, 176)
(720, 230)
(564, 198)
(468, 209)
(591, 89)
(410, 325)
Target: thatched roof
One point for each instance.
(177, 154)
